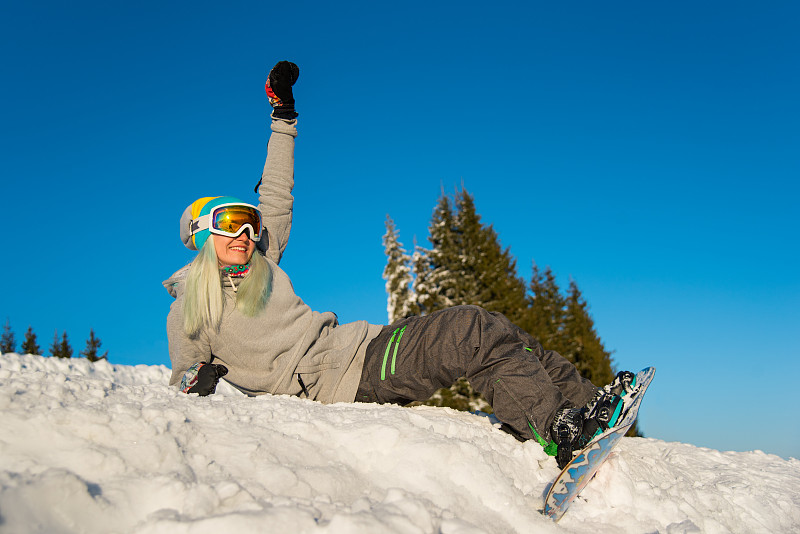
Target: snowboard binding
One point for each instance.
(604, 411)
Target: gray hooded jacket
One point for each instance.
(287, 347)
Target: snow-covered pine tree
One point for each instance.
(92, 347)
(420, 267)
(434, 280)
(397, 273)
(7, 341)
(29, 346)
(465, 265)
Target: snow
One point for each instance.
(110, 448)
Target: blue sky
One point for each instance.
(650, 152)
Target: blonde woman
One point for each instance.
(236, 315)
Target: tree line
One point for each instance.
(466, 264)
(60, 348)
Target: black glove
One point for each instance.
(205, 379)
(279, 89)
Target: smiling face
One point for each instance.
(233, 250)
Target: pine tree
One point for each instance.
(436, 273)
(65, 350)
(584, 347)
(7, 341)
(397, 273)
(29, 346)
(465, 265)
(55, 347)
(92, 347)
(545, 314)
(488, 273)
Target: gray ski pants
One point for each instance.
(525, 384)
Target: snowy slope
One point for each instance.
(109, 448)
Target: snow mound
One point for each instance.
(95, 447)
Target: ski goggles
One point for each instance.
(230, 220)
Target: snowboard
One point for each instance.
(577, 474)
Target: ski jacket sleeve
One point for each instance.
(184, 350)
(275, 192)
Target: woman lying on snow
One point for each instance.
(236, 315)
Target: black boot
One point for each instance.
(566, 432)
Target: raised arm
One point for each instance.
(275, 198)
(275, 189)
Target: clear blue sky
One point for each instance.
(650, 152)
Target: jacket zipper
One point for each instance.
(302, 385)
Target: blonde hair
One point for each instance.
(203, 301)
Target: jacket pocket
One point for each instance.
(308, 377)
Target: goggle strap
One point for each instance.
(199, 224)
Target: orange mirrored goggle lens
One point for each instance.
(233, 220)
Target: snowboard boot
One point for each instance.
(567, 431)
